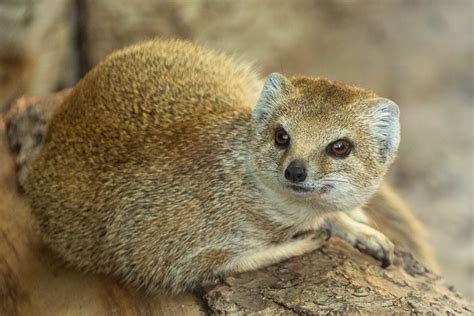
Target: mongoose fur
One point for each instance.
(161, 168)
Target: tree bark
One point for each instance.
(336, 279)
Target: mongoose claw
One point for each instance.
(375, 244)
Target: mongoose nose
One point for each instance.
(296, 171)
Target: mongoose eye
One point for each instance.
(339, 149)
(282, 139)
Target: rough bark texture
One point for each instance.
(339, 280)
(334, 279)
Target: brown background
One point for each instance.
(418, 53)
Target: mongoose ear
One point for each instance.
(385, 125)
(276, 88)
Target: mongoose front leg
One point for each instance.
(259, 258)
(352, 227)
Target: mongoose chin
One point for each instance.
(170, 165)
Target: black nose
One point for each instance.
(296, 171)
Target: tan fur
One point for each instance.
(154, 169)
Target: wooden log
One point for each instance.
(337, 279)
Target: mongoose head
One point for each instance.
(322, 142)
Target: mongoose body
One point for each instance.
(169, 165)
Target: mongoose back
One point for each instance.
(169, 165)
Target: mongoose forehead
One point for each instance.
(330, 93)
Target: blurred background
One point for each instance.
(417, 53)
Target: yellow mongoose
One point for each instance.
(168, 165)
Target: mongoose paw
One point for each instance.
(352, 228)
(375, 244)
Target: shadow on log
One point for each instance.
(334, 279)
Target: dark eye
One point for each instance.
(282, 139)
(340, 148)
